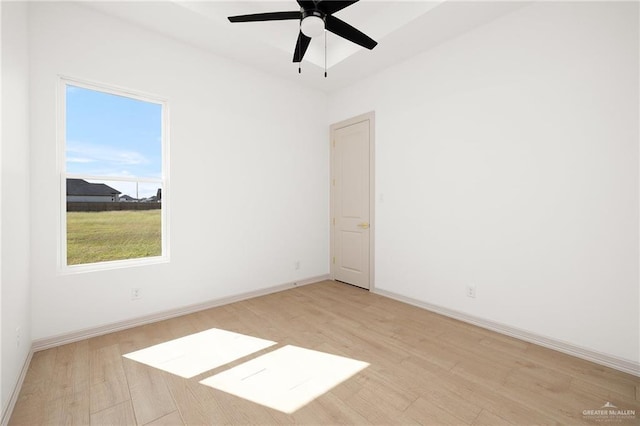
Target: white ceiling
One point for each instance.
(401, 28)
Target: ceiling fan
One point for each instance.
(315, 16)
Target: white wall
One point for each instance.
(508, 158)
(249, 172)
(16, 305)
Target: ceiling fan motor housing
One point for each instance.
(312, 23)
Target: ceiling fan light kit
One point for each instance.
(316, 17)
(312, 24)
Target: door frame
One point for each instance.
(370, 116)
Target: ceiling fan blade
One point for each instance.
(307, 4)
(334, 6)
(344, 30)
(270, 16)
(301, 47)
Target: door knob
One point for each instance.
(363, 225)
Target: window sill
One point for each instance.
(111, 265)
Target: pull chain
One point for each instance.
(325, 53)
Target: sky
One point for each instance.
(113, 136)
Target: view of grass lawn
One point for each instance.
(113, 235)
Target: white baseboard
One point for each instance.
(63, 339)
(8, 410)
(620, 364)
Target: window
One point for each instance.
(113, 177)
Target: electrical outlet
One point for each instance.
(135, 293)
(471, 291)
(18, 336)
(296, 265)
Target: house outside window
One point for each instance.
(114, 177)
(79, 190)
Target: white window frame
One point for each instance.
(64, 268)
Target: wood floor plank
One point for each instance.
(71, 408)
(71, 368)
(427, 382)
(171, 419)
(121, 414)
(68, 388)
(426, 412)
(423, 368)
(487, 418)
(553, 397)
(329, 409)
(232, 410)
(150, 396)
(582, 369)
(193, 401)
(34, 396)
(451, 402)
(109, 385)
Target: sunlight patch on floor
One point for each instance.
(287, 378)
(194, 354)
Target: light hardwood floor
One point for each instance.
(424, 369)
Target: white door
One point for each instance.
(351, 201)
